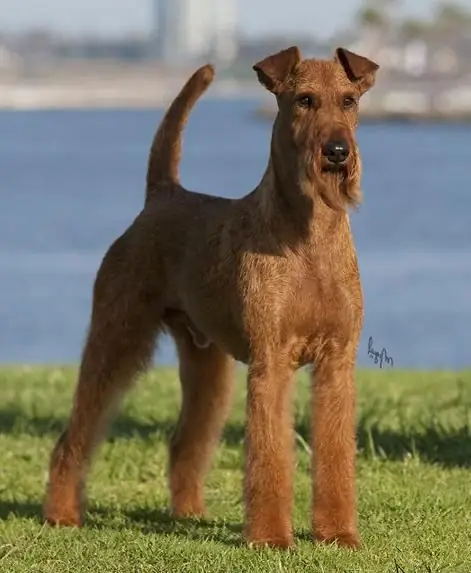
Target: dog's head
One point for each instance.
(317, 118)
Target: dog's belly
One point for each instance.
(178, 319)
(222, 331)
(299, 348)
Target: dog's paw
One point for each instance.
(284, 542)
(188, 509)
(349, 540)
(61, 516)
(63, 519)
(257, 537)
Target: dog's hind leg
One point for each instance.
(206, 376)
(125, 322)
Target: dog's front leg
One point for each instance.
(334, 447)
(269, 456)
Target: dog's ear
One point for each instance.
(359, 70)
(273, 71)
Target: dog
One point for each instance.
(270, 280)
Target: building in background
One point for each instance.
(186, 31)
(165, 17)
(225, 31)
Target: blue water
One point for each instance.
(71, 181)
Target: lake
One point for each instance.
(71, 181)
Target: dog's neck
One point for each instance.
(294, 203)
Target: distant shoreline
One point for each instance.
(101, 85)
(105, 96)
(114, 84)
(33, 100)
(83, 87)
(104, 84)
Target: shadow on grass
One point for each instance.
(157, 521)
(23, 510)
(15, 421)
(145, 520)
(432, 442)
(148, 521)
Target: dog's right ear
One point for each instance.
(273, 71)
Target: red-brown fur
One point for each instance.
(270, 279)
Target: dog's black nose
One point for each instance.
(336, 151)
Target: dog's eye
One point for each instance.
(349, 102)
(305, 101)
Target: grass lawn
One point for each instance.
(414, 482)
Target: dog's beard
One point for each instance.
(339, 187)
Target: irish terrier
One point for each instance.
(270, 279)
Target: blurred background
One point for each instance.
(83, 85)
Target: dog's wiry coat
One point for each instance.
(270, 279)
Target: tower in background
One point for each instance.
(225, 31)
(186, 31)
(167, 29)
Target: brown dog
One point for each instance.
(270, 279)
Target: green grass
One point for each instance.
(414, 482)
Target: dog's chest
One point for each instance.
(324, 305)
(319, 297)
(273, 304)
(301, 303)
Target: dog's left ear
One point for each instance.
(359, 70)
(274, 70)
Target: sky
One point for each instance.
(112, 17)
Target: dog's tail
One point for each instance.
(165, 151)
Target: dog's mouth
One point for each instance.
(330, 169)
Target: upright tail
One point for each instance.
(165, 151)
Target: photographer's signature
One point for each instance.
(379, 357)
